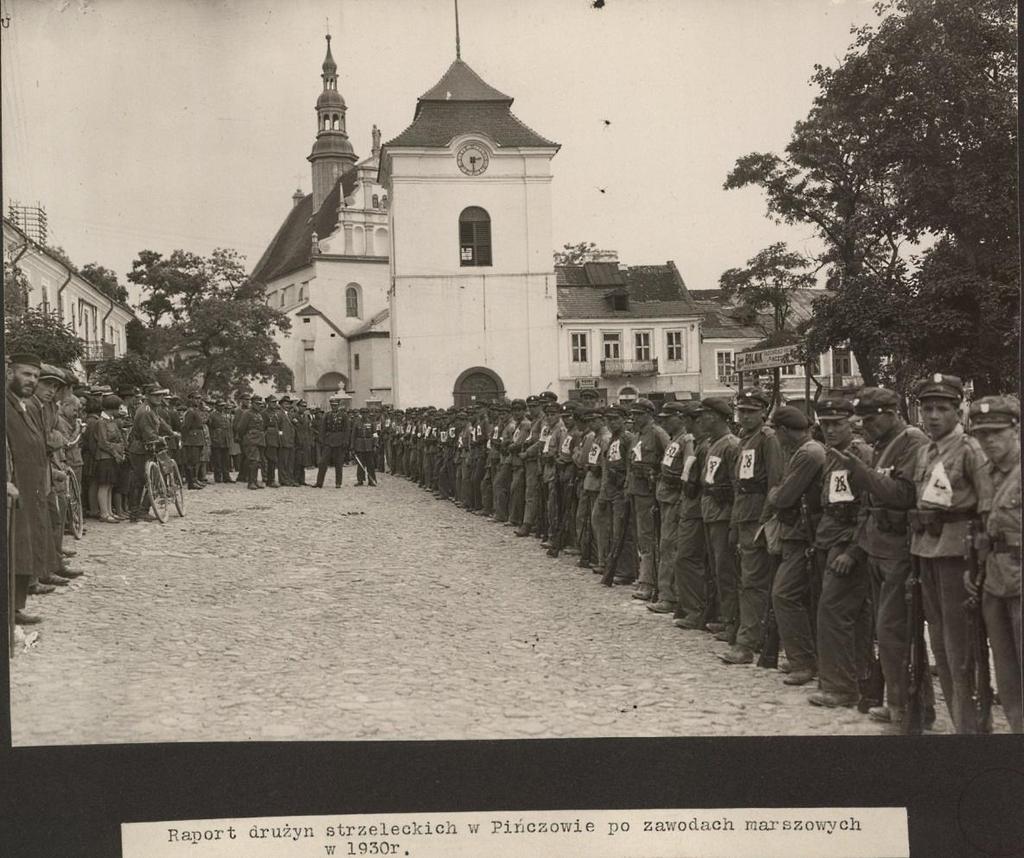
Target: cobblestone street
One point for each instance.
(361, 614)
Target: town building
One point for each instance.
(627, 332)
(99, 321)
(327, 266)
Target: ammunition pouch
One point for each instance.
(752, 487)
(844, 513)
(890, 520)
(931, 521)
(789, 516)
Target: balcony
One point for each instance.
(96, 352)
(614, 367)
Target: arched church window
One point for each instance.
(376, 201)
(337, 122)
(474, 237)
(352, 301)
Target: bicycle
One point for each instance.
(163, 484)
(75, 515)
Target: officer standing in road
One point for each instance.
(995, 422)
(759, 464)
(272, 443)
(844, 620)
(220, 442)
(334, 432)
(363, 443)
(250, 430)
(520, 438)
(192, 441)
(646, 454)
(954, 486)
(286, 447)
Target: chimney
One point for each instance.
(297, 197)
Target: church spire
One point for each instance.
(458, 44)
(332, 152)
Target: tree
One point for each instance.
(911, 142)
(41, 331)
(768, 283)
(130, 369)
(210, 317)
(61, 254)
(575, 254)
(105, 280)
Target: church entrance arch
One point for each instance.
(477, 384)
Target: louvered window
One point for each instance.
(474, 237)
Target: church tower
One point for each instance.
(473, 295)
(332, 152)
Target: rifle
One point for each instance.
(916, 659)
(656, 550)
(607, 579)
(769, 655)
(814, 573)
(979, 675)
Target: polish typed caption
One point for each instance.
(674, 833)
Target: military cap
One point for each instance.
(285, 399)
(790, 417)
(270, 398)
(994, 412)
(161, 391)
(691, 407)
(242, 397)
(552, 407)
(195, 394)
(717, 405)
(941, 386)
(643, 406)
(25, 359)
(875, 400)
(518, 403)
(752, 398)
(833, 408)
(532, 400)
(615, 411)
(51, 372)
(111, 401)
(101, 389)
(672, 409)
(127, 390)
(547, 396)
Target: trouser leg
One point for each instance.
(502, 485)
(754, 581)
(1002, 621)
(601, 526)
(584, 526)
(338, 456)
(530, 491)
(643, 529)
(688, 570)
(517, 496)
(487, 489)
(840, 609)
(21, 583)
(623, 534)
(944, 597)
(669, 553)
(789, 599)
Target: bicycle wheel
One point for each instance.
(76, 520)
(157, 490)
(176, 488)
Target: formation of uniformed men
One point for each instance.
(736, 519)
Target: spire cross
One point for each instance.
(458, 47)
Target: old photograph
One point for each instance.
(609, 368)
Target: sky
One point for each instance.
(164, 124)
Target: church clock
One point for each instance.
(472, 159)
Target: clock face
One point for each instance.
(472, 159)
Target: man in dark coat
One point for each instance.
(30, 531)
(192, 440)
(334, 438)
(220, 442)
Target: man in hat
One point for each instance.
(692, 582)
(613, 525)
(334, 431)
(301, 420)
(678, 456)
(717, 496)
(587, 458)
(522, 416)
(363, 444)
(26, 440)
(954, 486)
(531, 468)
(220, 441)
(646, 454)
(759, 465)
(547, 462)
(794, 504)
(192, 439)
(250, 429)
(995, 422)
(147, 427)
(567, 479)
(886, 490)
(844, 641)
(272, 439)
(287, 446)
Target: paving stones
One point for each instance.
(367, 615)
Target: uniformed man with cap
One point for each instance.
(717, 495)
(677, 458)
(220, 442)
(286, 442)
(250, 429)
(995, 422)
(886, 490)
(587, 457)
(490, 429)
(334, 431)
(524, 413)
(272, 446)
(192, 440)
(613, 524)
(147, 426)
(844, 627)
(758, 469)
(505, 427)
(954, 486)
(547, 461)
(567, 476)
(646, 454)
(363, 443)
(531, 475)
(794, 503)
(693, 583)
